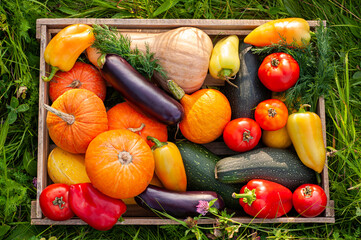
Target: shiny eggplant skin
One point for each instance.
(137, 90)
(177, 204)
(250, 91)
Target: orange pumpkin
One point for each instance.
(83, 76)
(206, 113)
(75, 119)
(119, 163)
(124, 116)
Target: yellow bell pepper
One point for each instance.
(305, 131)
(224, 62)
(66, 46)
(169, 166)
(290, 31)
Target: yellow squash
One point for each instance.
(65, 167)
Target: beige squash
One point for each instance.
(65, 167)
(184, 54)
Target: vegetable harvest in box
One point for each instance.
(119, 149)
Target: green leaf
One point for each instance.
(67, 10)
(14, 103)
(4, 229)
(3, 133)
(12, 117)
(358, 211)
(23, 108)
(356, 75)
(165, 7)
(30, 164)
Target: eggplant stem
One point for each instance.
(175, 89)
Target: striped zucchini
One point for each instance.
(278, 165)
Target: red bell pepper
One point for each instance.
(265, 199)
(95, 208)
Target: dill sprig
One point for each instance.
(110, 41)
(316, 68)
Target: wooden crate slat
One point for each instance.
(47, 28)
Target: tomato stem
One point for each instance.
(272, 112)
(275, 62)
(249, 196)
(59, 202)
(247, 135)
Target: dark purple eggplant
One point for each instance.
(177, 204)
(250, 91)
(137, 90)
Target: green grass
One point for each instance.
(19, 63)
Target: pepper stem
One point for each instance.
(68, 118)
(249, 196)
(302, 108)
(176, 90)
(225, 73)
(51, 75)
(157, 143)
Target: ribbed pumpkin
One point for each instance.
(119, 163)
(65, 167)
(206, 113)
(75, 119)
(83, 76)
(124, 116)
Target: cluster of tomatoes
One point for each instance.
(278, 72)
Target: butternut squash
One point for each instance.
(184, 54)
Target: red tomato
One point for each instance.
(271, 114)
(309, 200)
(54, 202)
(279, 71)
(242, 134)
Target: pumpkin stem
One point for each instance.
(68, 118)
(157, 143)
(125, 157)
(134, 130)
(75, 84)
(176, 90)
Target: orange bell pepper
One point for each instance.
(305, 131)
(64, 49)
(169, 166)
(290, 31)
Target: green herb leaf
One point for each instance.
(110, 41)
(29, 163)
(12, 117)
(4, 229)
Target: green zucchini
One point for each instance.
(278, 165)
(250, 91)
(199, 164)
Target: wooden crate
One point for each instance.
(47, 28)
